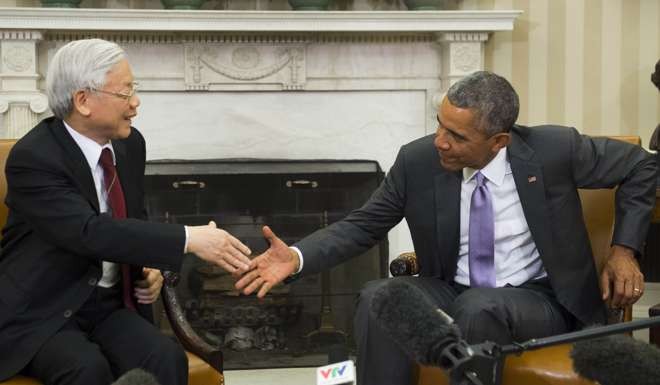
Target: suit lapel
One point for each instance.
(528, 176)
(76, 162)
(448, 211)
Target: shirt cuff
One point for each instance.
(300, 258)
(185, 246)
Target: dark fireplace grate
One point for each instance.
(297, 324)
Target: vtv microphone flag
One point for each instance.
(337, 373)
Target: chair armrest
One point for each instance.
(190, 340)
(404, 264)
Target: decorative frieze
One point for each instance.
(209, 64)
(263, 38)
(21, 35)
(463, 36)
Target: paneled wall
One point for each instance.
(584, 63)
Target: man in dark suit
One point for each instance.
(495, 218)
(79, 265)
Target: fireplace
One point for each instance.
(261, 84)
(297, 324)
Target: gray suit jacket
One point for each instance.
(560, 159)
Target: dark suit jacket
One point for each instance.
(55, 237)
(428, 196)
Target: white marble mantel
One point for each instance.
(261, 84)
(56, 19)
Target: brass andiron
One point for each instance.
(327, 333)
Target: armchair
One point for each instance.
(654, 333)
(550, 365)
(204, 361)
(205, 364)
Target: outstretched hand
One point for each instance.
(269, 268)
(217, 246)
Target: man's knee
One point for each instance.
(171, 351)
(480, 317)
(169, 364)
(87, 369)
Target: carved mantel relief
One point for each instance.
(208, 65)
(17, 57)
(464, 52)
(21, 101)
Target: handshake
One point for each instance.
(260, 274)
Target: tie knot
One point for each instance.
(106, 158)
(481, 180)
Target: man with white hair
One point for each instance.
(79, 265)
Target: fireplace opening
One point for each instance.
(298, 324)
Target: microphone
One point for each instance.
(429, 336)
(415, 324)
(617, 360)
(136, 376)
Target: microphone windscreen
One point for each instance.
(136, 376)
(405, 313)
(617, 360)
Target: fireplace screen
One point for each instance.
(296, 324)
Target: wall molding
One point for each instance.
(54, 19)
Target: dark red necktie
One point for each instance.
(118, 205)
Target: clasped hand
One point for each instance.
(148, 288)
(270, 268)
(218, 247)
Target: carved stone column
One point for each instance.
(21, 101)
(462, 54)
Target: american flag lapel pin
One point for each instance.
(531, 179)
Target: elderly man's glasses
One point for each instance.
(126, 95)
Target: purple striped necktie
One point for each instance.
(481, 246)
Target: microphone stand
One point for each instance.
(480, 364)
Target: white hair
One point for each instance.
(79, 65)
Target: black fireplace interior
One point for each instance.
(297, 324)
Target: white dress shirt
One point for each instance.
(517, 259)
(92, 152)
